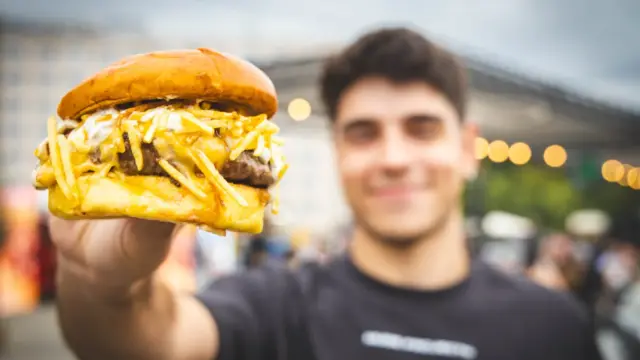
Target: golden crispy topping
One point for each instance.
(185, 128)
(56, 159)
(212, 174)
(186, 182)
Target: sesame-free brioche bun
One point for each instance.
(155, 198)
(199, 74)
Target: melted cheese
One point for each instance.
(220, 136)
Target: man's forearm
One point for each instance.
(108, 321)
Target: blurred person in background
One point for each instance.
(256, 254)
(406, 287)
(618, 304)
(307, 249)
(216, 255)
(264, 249)
(556, 266)
(291, 259)
(619, 268)
(314, 252)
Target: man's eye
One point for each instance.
(361, 133)
(424, 128)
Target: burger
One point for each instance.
(180, 136)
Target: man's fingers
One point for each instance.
(67, 235)
(127, 244)
(146, 239)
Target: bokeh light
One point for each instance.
(625, 170)
(498, 151)
(555, 156)
(299, 109)
(519, 153)
(482, 148)
(612, 170)
(633, 178)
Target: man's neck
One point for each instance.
(433, 263)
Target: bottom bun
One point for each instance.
(156, 198)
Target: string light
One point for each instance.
(633, 178)
(519, 153)
(498, 151)
(612, 170)
(482, 148)
(625, 170)
(555, 156)
(299, 109)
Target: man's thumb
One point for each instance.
(147, 239)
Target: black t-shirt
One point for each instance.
(335, 312)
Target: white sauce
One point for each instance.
(69, 124)
(98, 131)
(150, 115)
(174, 122)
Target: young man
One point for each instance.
(405, 289)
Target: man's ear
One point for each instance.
(471, 165)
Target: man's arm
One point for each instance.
(112, 304)
(146, 321)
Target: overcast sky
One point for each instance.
(590, 46)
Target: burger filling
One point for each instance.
(245, 170)
(186, 141)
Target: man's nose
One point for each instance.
(395, 153)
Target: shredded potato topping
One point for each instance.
(66, 155)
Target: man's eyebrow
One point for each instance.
(424, 117)
(358, 121)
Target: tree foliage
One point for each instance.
(543, 194)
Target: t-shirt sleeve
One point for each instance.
(255, 313)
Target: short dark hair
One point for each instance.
(400, 55)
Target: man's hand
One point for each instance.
(115, 252)
(110, 303)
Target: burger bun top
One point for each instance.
(185, 74)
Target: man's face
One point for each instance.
(403, 157)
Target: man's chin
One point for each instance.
(401, 231)
(399, 241)
(395, 236)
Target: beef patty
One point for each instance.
(245, 170)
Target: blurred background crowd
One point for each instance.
(555, 91)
